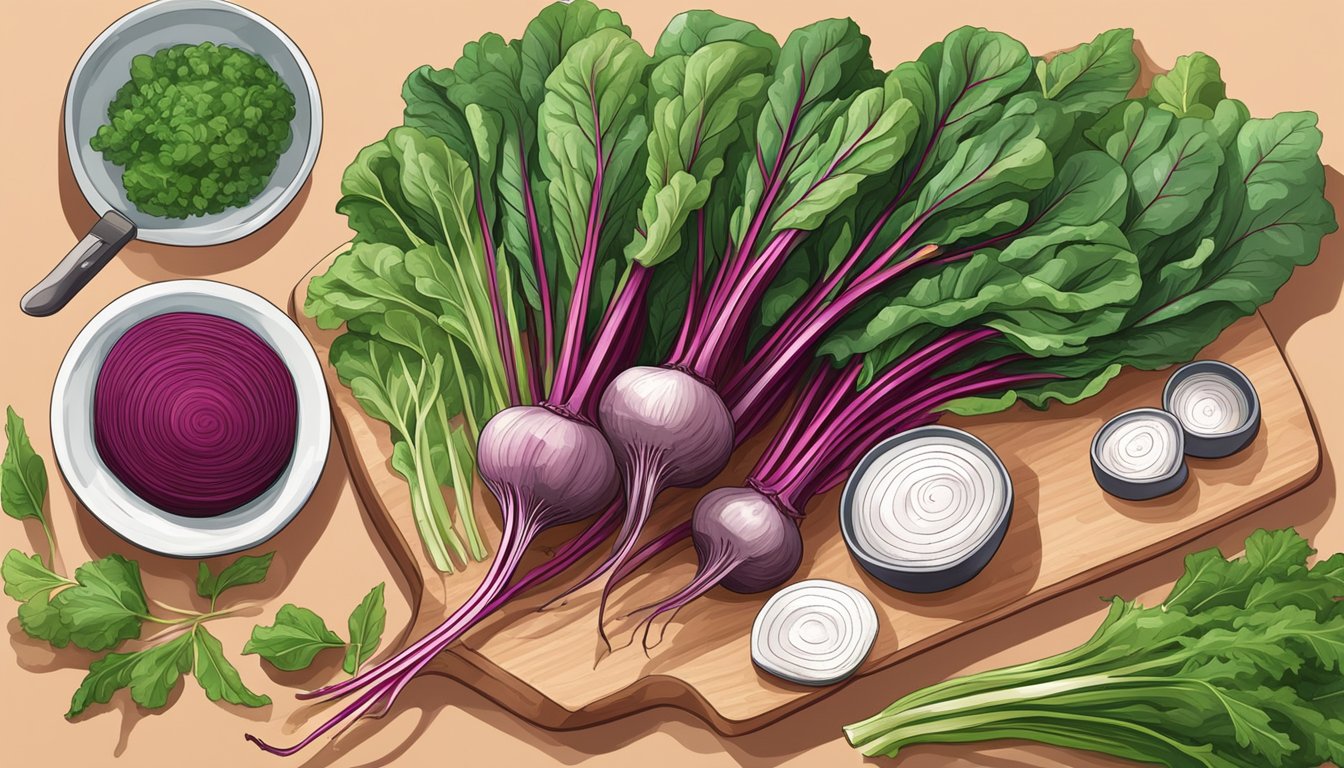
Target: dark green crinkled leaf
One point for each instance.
(1048, 294)
(1131, 132)
(868, 138)
(821, 66)
(1094, 76)
(1172, 185)
(1192, 88)
(699, 101)
(1221, 265)
(106, 606)
(692, 30)
(600, 78)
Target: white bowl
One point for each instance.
(120, 509)
(106, 66)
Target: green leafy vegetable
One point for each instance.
(366, 630)
(245, 570)
(23, 479)
(217, 676)
(297, 636)
(25, 576)
(107, 604)
(1093, 76)
(151, 675)
(1241, 665)
(1192, 88)
(32, 583)
(198, 129)
(420, 352)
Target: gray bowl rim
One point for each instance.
(1147, 488)
(118, 508)
(878, 568)
(1235, 439)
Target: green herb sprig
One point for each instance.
(299, 635)
(1242, 666)
(105, 605)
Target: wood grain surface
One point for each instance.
(551, 668)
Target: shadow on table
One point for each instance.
(173, 579)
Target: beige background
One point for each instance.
(1276, 56)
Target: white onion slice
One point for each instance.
(925, 510)
(1216, 406)
(815, 632)
(1209, 404)
(1139, 454)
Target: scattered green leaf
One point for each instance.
(295, 639)
(247, 569)
(366, 630)
(106, 606)
(23, 475)
(217, 676)
(151, 674)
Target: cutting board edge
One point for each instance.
(477, 672)
(363, 485)
(483, 676)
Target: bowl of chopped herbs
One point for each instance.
(197, 120)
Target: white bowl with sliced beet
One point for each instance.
(191, 418)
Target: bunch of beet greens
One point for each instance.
(588, 273)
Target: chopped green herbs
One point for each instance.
(197, 129)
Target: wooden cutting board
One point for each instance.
(1065, 533)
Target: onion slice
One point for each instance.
(815, 632)
(1216, 405)
(1140, 454)
(925, 510)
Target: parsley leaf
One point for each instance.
(106, 606)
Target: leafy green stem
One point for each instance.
(51, 542)
(190, 618)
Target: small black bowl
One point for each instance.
(1216, 446)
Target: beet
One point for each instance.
(194, 413)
